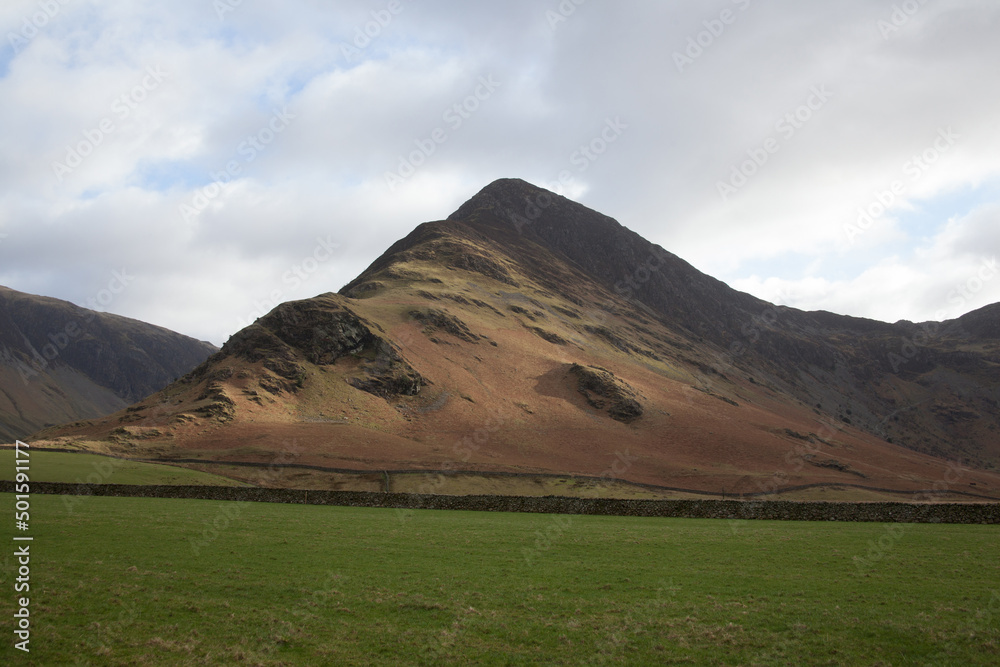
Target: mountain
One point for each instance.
(527, 333)
(933, 387)
(60, 363)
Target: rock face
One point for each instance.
(434, 319)
(604, 391)
(60, 363)
(321, 331)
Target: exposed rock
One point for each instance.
(439, 320)
(572, 314)
(724, 399)
(321, 331)
(366, 289)
(833, 464)
(521, 311)
(485, 266)
(219, 407)
(221, 374)
(954, 413)
(549, 336)
(632, 306)
(604, 391)
(483, 304)
(608, 336)
(135, 433)
(390, 383)
(274, 385)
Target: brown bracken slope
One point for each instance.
(527, 333)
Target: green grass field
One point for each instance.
(121, 581)
(74, 468)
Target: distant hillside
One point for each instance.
(61, 363)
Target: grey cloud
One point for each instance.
(325, 174)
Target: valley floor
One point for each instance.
(120, 581)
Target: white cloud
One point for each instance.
(954, 273)
(782, 235)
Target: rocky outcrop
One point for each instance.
(434, 319)
(322, 331)
(604, 391)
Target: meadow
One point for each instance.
(119, 581)
(81, 468)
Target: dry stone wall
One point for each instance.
(883, 512)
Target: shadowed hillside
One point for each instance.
(60, 363)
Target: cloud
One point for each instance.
(951, 274)
(362, 87)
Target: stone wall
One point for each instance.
(883, 512)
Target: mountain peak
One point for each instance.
(499, 196)
(526, 207)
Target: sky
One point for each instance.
(194, 163)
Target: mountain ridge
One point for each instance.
(553, 328)
(747, 333)
(60, 362)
